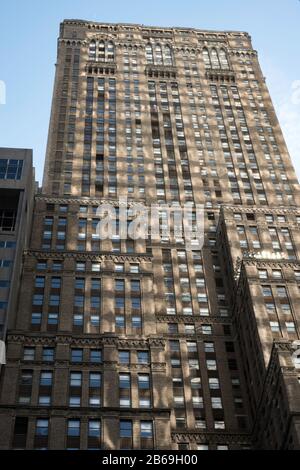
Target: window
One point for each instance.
(270, 306)
(191, 346)
(124, 380)
(96, 356)
(120, 302)
(209, 347)
(76, 355)
(38, 299)
(10, 169)
(119, 285)
(53, 318)
(193, 364)
(20, 433)
(197, 402)
(196, 383)
(94, 428)
(125, 428)
(136, 322)
(263, 274)
(219, 425)
(74, 402)
(95, 380)
(135, 286)
(94, 432)
(281, 292)
(73, 427)
(206, 329)
(216, 403)
(36, 318)
(144, 382)
(206, 58)
(119, 268)
(54, 300)
(146, 429)
(75, 379)
(124, 357)
(275, 326)
(134, 268)
(55, 282)
(214, 383)
(290, 326)
(46, 379)
(96, 267)
(120, 321)
(202, 447)
(143, 357)
(211, 365)
(189, 329)
(267, 291)
(80, 266)
(41, 428)
(40, 281)
(29, 354)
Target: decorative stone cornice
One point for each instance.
(100, 341)
(210, 438)
(87, 201)
(58, 255)
(111, 28)
(191, 319)
(269, 263)
(261, 210)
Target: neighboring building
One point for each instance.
(122, 344)
(17, 189)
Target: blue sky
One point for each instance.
(29, 29)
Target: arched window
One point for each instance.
(206, 59)
(168, 58)
(92, 50)
(101, 51)
(214, 59)
(149, 54)
(158, 55)
(110, 51)
(223, 59)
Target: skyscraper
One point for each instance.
(17, 188)
(147, 343)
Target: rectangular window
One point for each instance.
(124, 357)
(29, 354)
(10, 169)
(125, 434)
(46, 379)
(73, 427)
(76, 355)
(144, 381)
(41, 428)
(96, 356)
(143, 357)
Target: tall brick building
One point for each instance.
(121, 344)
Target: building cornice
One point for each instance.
(58, 255)
(210, 438)
(98, 341)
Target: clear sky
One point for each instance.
(29, 29)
